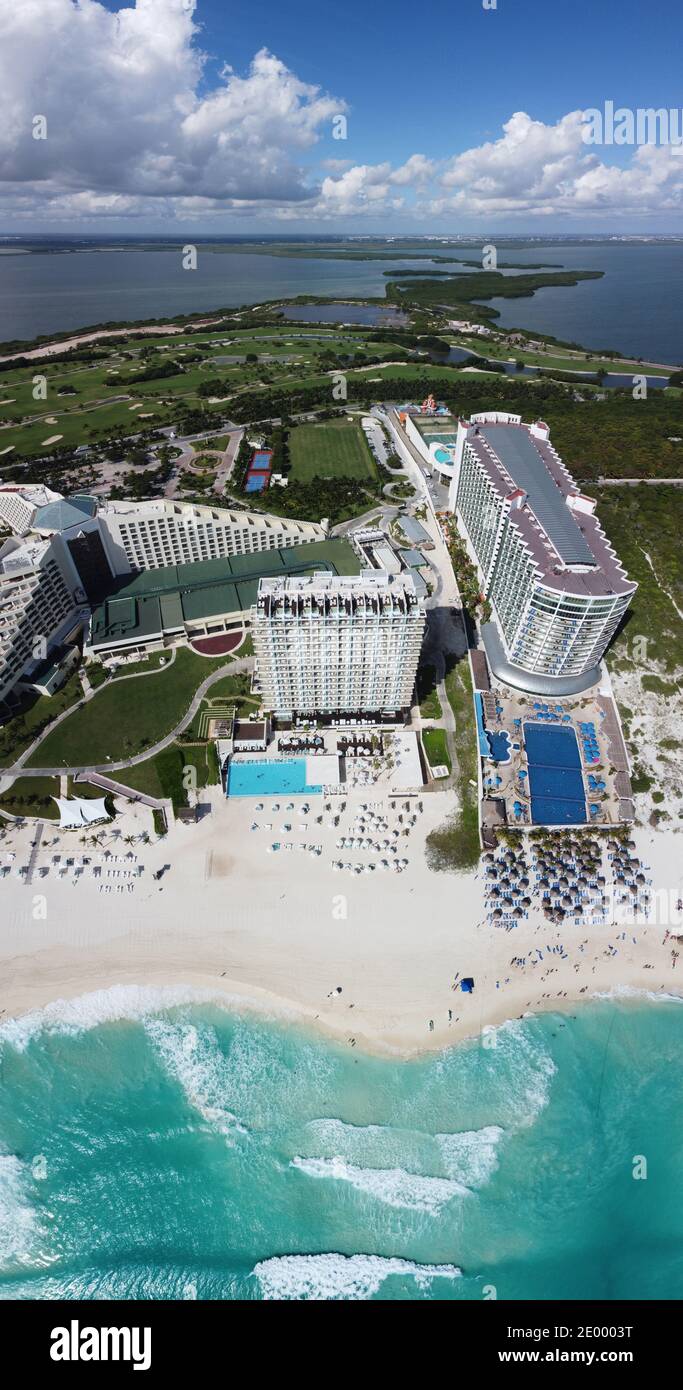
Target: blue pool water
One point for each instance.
(500, 746)
(555, 781)
(495, 747)
(269, 779)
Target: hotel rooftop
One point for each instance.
(555, 520)
(371, 591)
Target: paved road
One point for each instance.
(635, 482)
(230, 454)
(231, 668)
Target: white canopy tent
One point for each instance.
(74, 813)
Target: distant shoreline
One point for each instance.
(48, 345)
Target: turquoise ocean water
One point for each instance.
(195, 1152)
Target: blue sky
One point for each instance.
(444, 75)
(212, 116)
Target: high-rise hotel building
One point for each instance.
(557, 589)
(66, 553)
(42, 604)
(338, 648)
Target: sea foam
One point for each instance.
(357, 1277)
(17, 1220)
(468, 1157)
(113, 1005)
(394, 1186)
(194, 1058)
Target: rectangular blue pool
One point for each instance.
(286, 778)
(555, 780)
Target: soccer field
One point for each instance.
(332, 449)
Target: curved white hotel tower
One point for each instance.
(557, 589)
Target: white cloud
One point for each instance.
(544, 170)
(120, 96)
(135, 130)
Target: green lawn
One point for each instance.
(428, 700)
(32, 796)
(436, 748)
(332, 449)
(455, 845)
(125, 717)
(149, 776)
(232, 692)
(33, 715)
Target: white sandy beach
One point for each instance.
(281, 932)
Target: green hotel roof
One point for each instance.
(163, 600)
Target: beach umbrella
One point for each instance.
(497, 914)
(518, 912)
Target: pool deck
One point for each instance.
(508, 710)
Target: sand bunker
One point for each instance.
(54, 439)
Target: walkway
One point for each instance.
(231, 668)
(95, 779)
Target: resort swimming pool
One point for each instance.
(286, 778)
(555, 781)
(492, 745)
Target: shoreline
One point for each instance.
(46, 345)
(281, 934)
(130, 999)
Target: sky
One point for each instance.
(307, 116)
